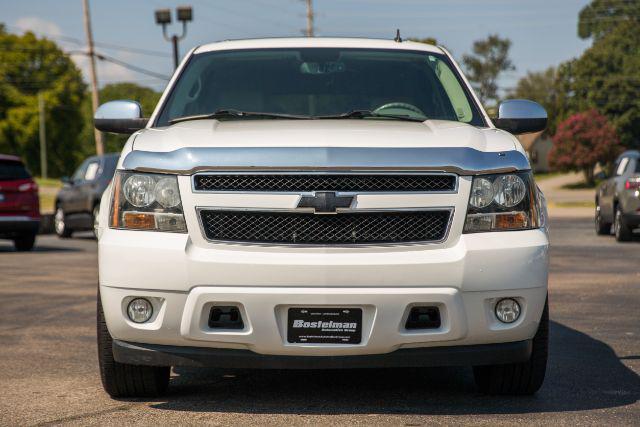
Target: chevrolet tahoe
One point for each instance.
(311, 203)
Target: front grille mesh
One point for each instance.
(330, 182)
(309, 228)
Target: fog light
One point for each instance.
(139, 310)
(507, 310)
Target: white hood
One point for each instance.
(323, 133)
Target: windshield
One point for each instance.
(321, 83)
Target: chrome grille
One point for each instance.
(326, 182)
(343, 228)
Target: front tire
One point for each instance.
(124, 380)
(518, 378)
(60, 225)
(24, 242)
(623, 232)
(602, 228)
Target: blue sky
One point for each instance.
(543, 32)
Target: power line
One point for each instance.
(263, 18)
(110, 46)
(131, 49)
(131, 66)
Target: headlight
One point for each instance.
(144, 201)
(503, 202)
(481, 193)
(166, 192)
(509, 190)
(138, 190)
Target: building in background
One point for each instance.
(537, 146)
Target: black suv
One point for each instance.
(78, 202)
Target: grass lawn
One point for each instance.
(48, 188)
(541, 176)
(48, 182)
(47, 203)
(582, 185)
(572, 204)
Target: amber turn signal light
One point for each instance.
(139, 221)
(511, 221)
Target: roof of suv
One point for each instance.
(630, 153)
(8, 157)
(297, 42)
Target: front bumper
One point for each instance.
(13, 226)
(183, 280)
(165, 355)
(181, 318)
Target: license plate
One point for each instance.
(325, 325)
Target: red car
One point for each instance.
(19, 204)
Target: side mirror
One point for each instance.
(119, 117)
(66, 180)
(518, 116)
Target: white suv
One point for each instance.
(314, 203)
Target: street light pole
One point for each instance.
(184, 14)
(176, 54)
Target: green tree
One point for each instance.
(549, 89)
(147, 97)
(30, 65)
(607, 77)
(600, 17)
(489, 59)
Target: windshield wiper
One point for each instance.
(235, 114)
(364, 114)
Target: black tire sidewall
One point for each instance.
(622, 230)
(601, 228)
(24, 242)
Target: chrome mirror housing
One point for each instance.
(519, 116)
(119, 117)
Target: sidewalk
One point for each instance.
(567, 203)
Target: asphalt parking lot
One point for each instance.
(49, 375)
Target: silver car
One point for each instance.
(618, 198)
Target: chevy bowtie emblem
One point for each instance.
(324, 202)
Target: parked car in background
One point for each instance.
(78, 202)
(618, 198)
(19, 204)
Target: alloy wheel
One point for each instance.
(58, 221)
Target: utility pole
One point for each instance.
(43, 136)
(95, 99)
(309, 18)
